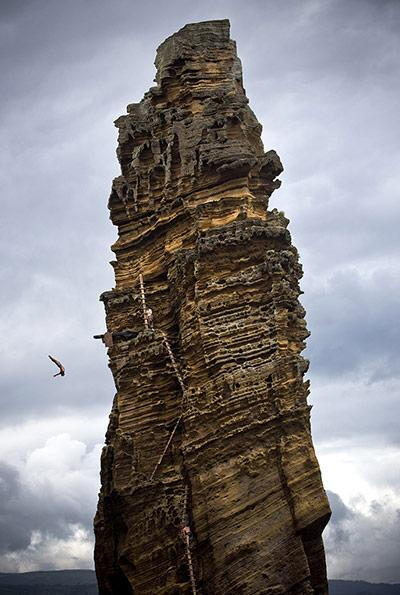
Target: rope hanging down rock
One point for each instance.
(185, 528)
(180, 380)
(142, 294)
(172, 358)
(190, 563)
(166, 447)
(186, 534)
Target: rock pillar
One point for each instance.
(209, 480)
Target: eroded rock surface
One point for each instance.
(222, 280)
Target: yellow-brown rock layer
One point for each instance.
(222, 280)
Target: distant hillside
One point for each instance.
(55, 582)
(362, 588)
(83, 582)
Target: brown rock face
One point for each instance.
(209, 479)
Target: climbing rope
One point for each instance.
(185, 528)
(180, 380)
(166, 447)
(145, 318)
(172, 358)
(148, 322)
(190, 563)
(186, 533)
(184, 505)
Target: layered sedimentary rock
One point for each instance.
(212, 377)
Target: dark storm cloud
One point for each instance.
(22, 511)
(363, 545)
(11, 536)
(338, 532)
(323, 78)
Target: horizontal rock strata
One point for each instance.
(209, 480)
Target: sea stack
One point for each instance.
(209, 480)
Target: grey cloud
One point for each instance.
(354, 38)
(81, 43)
(21, 514)
(52, 315)
(362, 415)
(352, 319)
(10, 8)
(340, 512)
(363, 545)
(24, 510)
(12, 535)
(338, 533)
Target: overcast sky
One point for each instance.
(323, 79)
